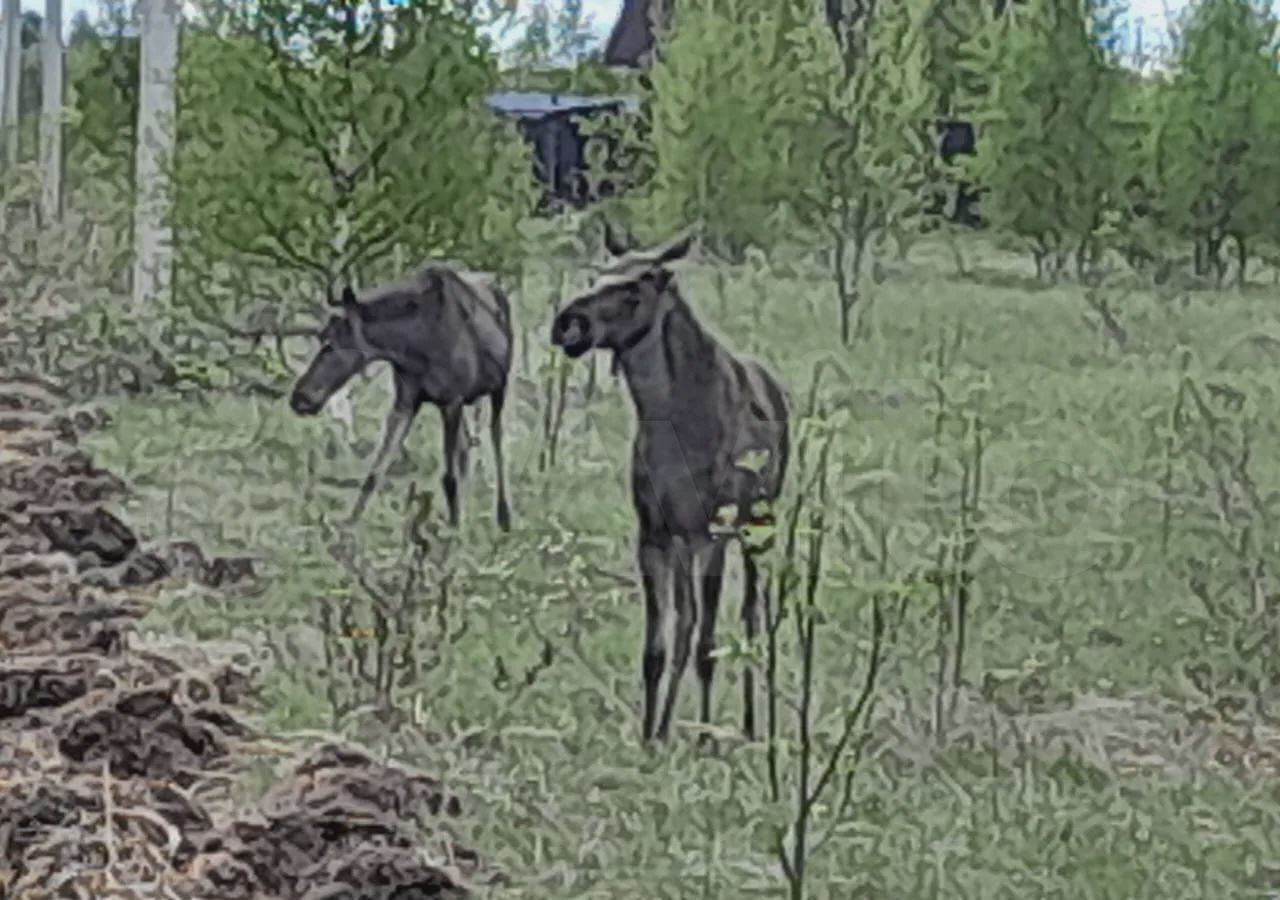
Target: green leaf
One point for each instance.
(753, 460)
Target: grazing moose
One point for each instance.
(701, 412)
(447, 335)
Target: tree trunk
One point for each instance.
(1242, 260)
(51, 157)
(153, 159)
(845, 295)
(10, 77)
(1215, 262)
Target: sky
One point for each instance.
(600, 13)
(1149, 15)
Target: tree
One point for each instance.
(868, 115)
(153, 202)
(102, 82)
(82, 29)
(952, 32)
(31, 29)
(573, 33)
(721, 118)
(320, 143)
(534, 46)
(52, 71)
(1216, 145)
(1048, 146)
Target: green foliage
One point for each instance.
(588, 76)
(722, 125)
(535, 44)
(1071, 766)
(370, 141)
(1219, 535)
(1136, 217)
(866, 138)
(1047, 145)
(1216, 149)
(572, 31)
(564, 38)
(954, 32)
(102, 95)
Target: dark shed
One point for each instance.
(957, 138)
(549, 123)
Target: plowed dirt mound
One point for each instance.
(117, 764)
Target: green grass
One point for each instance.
(1070, 769)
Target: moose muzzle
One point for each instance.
(571, 332)
(303, 404)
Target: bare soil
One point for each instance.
(119, 764)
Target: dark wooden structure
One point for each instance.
(631, 41)
(957, 137)
(550, 123)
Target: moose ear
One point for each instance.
(344, 298)
(678, 249)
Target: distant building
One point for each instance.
(549, 122)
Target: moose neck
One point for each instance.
(395, 339)
(666, 369)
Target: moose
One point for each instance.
(446, 333)
(704, 420)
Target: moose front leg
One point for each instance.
(684, 597)
(394, 431)
(655, 577)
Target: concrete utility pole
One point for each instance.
(10, 76)
(52, 62)
(153, 155)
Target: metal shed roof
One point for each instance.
(535, 104)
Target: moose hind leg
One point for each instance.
(454, 459)
(655, 578)
(496, 400)
(685, 619)
(712, 583)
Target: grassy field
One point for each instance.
(1109, 737)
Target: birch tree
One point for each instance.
(51, 89)
(373, 146)
(721, 121)
(152, 228)
(1049, 147)
(867, 111)
(1215, 145)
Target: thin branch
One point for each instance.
(284, 65)
(864, 697)
(284, 252)
(255, 334)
